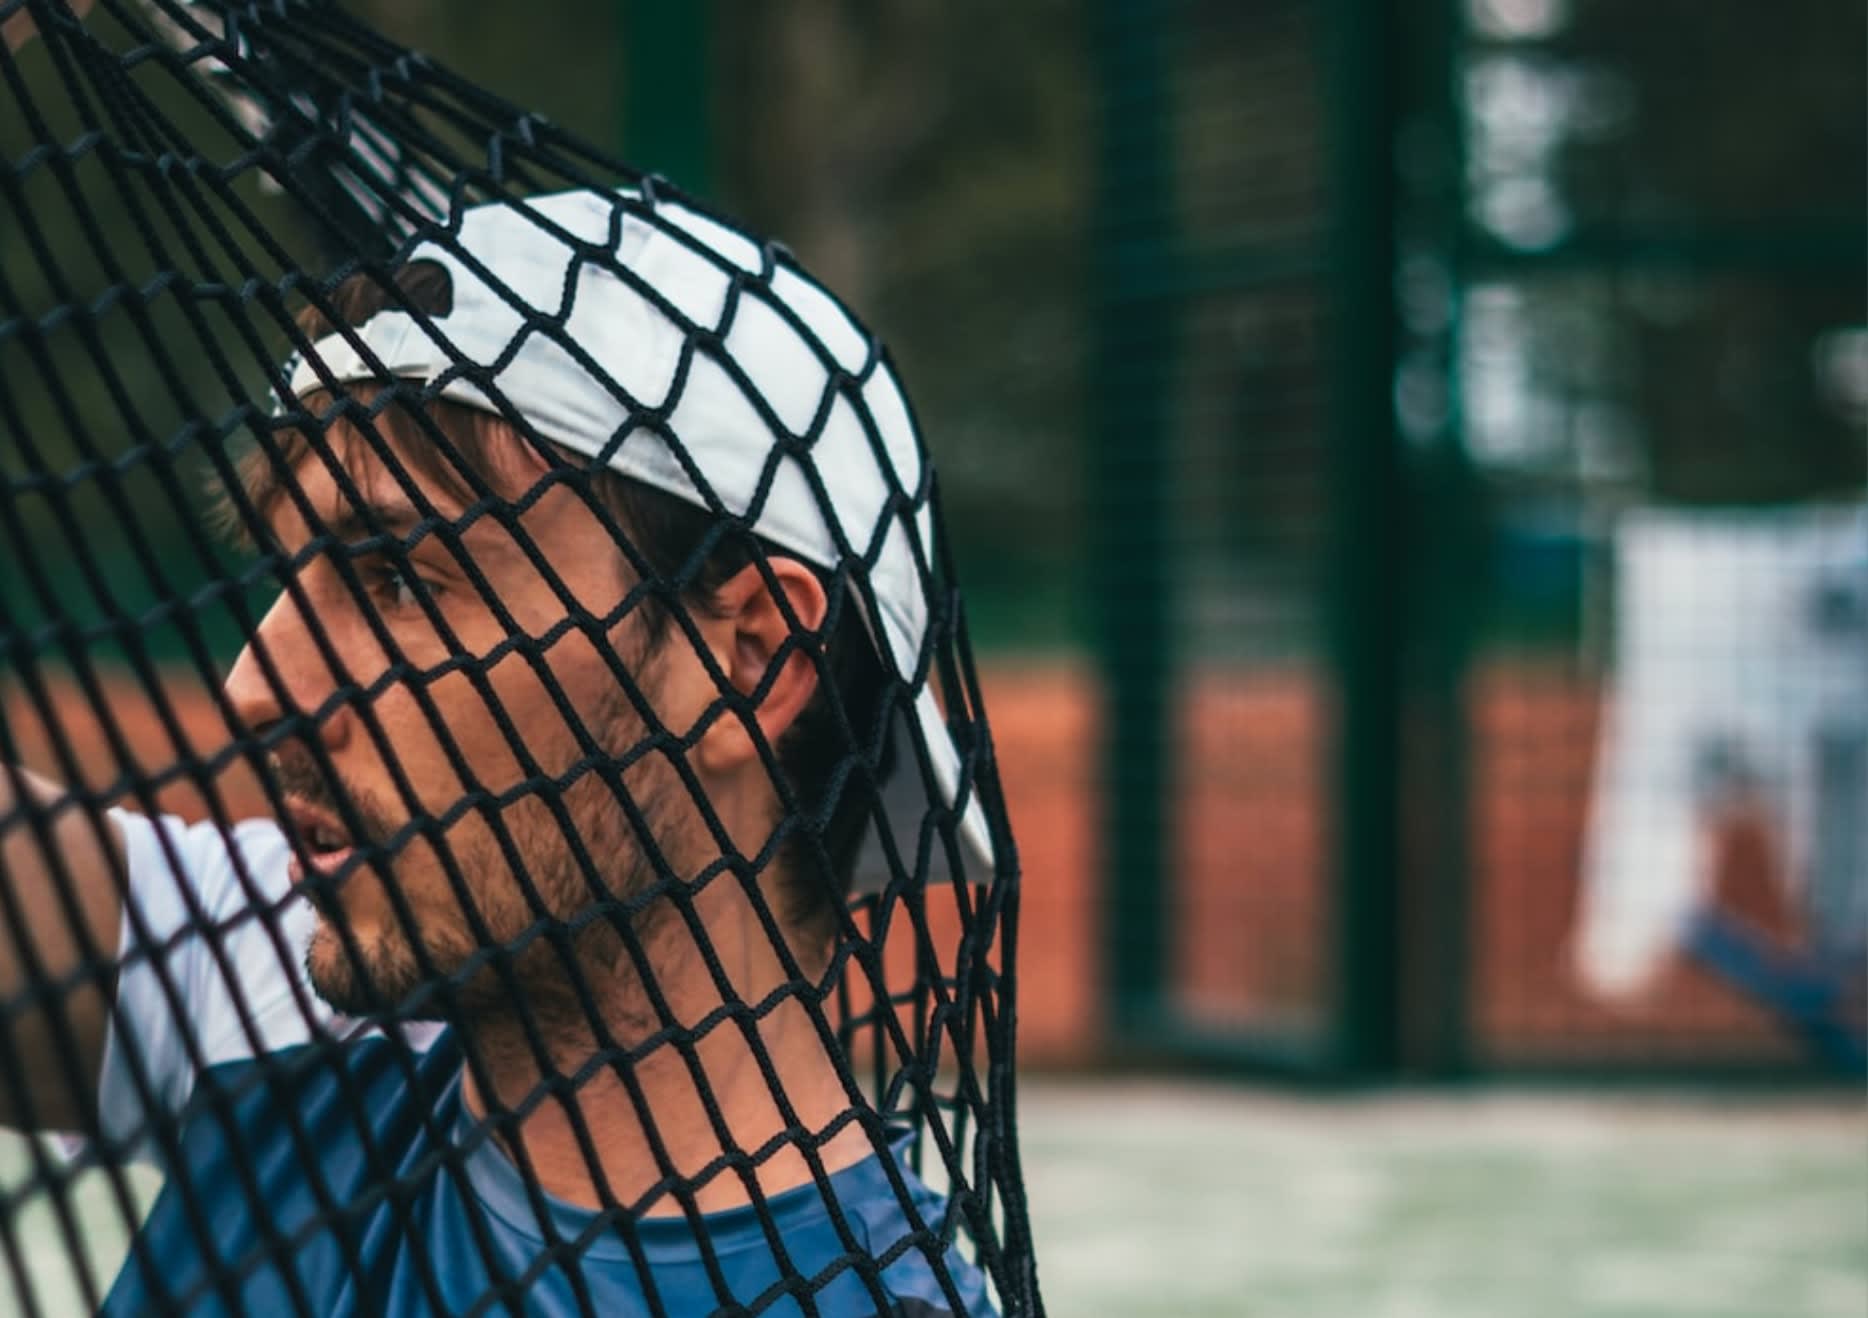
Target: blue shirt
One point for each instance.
(312, 1175)
(435, 1218)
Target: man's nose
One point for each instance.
(283, 674)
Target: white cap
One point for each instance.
(581, 309)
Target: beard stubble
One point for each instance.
(571, 932)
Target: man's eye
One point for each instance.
(393, 585)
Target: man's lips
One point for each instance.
(321, 836)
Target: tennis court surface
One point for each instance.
(1156, 1200)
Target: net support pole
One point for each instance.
(1367, 574)
(1130, 571)
(668, 90)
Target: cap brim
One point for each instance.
(909, 799)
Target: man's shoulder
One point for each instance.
(903, 1223)
(349, 1059)
(291, 1145)
(350, 1086)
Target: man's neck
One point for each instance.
(649, 1122)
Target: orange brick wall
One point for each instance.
(1248, 905)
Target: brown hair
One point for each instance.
(667, 532)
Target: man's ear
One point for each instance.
(750, 627)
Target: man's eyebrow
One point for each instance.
(375, 519)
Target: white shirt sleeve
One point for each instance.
(195, 890)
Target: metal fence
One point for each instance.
(1429, 340)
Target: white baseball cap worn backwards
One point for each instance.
(611, 326)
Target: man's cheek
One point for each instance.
(429, 733)
(411, 898)
(539, 738)
(468, 880)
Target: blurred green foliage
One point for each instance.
(927, 161)
(933, 162)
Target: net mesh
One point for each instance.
(496, 802)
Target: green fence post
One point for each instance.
(1367, 575)
(1446, 532)
(1130, 575)
(668, 90)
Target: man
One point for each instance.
(605, 550)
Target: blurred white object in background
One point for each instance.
(1741, 672)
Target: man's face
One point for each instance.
(503, 759)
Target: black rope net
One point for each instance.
(496, 805)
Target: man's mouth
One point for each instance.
(324, 843)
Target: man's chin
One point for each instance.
(380, 975)
(370, 980)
